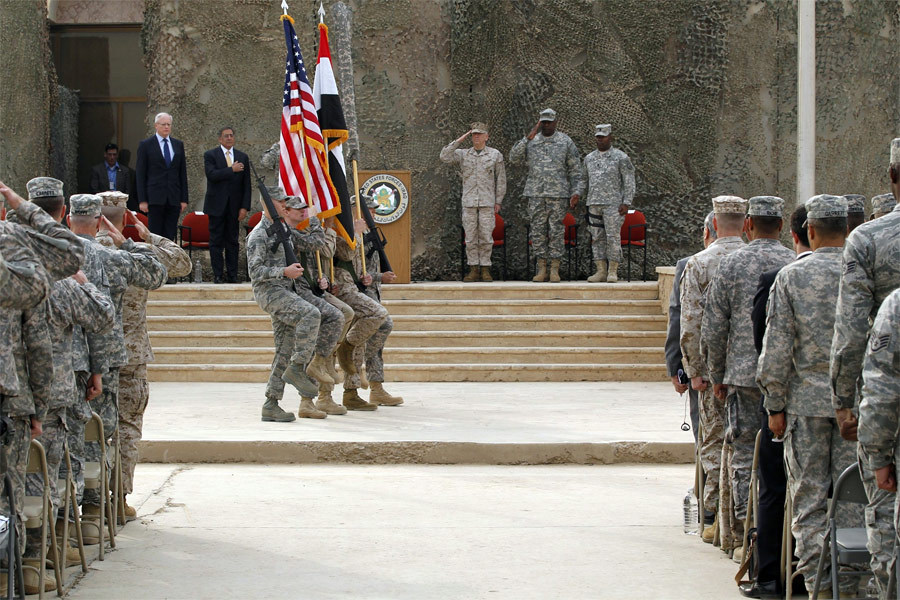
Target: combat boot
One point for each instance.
(613, 272)
(73, 557)
(345, 358)
(554, 271)
(318, 370)
(337, 376)
(473, 275)
(130, 512)
(272, 412)
(600, 275)
(541, 275)
(329, 406)
(486, 274)
(297, 377)
(31, 577)
(353, 402)
(380, 397)
(308, 410)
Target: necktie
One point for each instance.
(166, 154)
(228, 160)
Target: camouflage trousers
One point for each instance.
(369, 315)
(606, 240)
(879, 525)
(741, 426)
(547, 231)
(134, 394)
(15, 456)
(78, 413)
(372, 354)
(106, 405)
(53, 439)
(815, 455)
(331, 322)
(295, 326)
(710, 447)
(478, 223)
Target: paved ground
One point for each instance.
(409, 532)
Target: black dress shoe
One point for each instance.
(766, 590)
(230, 279)
(218, 279)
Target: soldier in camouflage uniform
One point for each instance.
(484, 185)
(727, 342)
(882, 204)
(607, 179)
(878, 423)
(554, 176)
(134, 391)
(793, 375)
(699, 271)
(295, 322)
(871, 271)
(856, 210)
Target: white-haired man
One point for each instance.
(162, 178)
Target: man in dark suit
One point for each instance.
(227, 202)
(162, 178)
(110, 175)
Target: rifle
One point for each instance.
(376, 237)
(278, 228)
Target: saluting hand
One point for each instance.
(534, 130)
(117, 237)
(12, 198)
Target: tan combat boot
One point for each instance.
(380, 397)
(345, 357)
(318, 370)
(486, 274)
(600, 275)
(329, 406)
(130, 512)
(337, 376)
(541, 275)
(32, 576)
(554, 271)
(308, 410)
(73, 557)
(474, 274)
(353, 402)
(613, 272)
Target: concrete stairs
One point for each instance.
(442, 332)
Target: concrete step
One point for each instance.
(176, 308)
(429, 322)
(426, 339)
(259, 373)
(438, 355)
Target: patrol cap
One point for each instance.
(85, 205)
(856, 204)
(883, 203)
(44, 187)
(729, 204)
(766, 206)
(114, 199)
(275, 192)
(602, 130)
(895, 151)
(295, 202)
(548, 114)
(826, 206)
(369, 201)
(478, 127)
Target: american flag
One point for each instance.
(302, 172)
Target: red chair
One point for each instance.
(634, 234)
(131, 232)
(194, 232)
(499, 236)
(253, 221)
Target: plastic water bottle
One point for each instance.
(198, 273)
(691, 514)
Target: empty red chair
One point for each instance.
(634, 234)
(194, 232)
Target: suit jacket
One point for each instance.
(673, 335)
(157, 184)
(224, 187)
(100, 182)
(760, 301)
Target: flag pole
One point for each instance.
(327, 172)
(362, 250)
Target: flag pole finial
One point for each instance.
(321, 12)
(284, 6)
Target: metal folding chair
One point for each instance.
(753, 504)
(10, 546)
(69, 501)
(787, 549)
(96, 476)
(38, 512)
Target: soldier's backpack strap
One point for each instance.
(347, 265)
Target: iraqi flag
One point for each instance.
(334, 129)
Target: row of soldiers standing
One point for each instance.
(317, 315)
(810, 380)
(74, 342)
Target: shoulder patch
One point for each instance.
(879, 342)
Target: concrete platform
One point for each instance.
(440, 423)
(409, 533)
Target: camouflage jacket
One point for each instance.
(880, 406)
(343, 254)
(698, 273)
(726, 330)
(23, 283)
(607, 178)
(265, 255)
(483, 174)
(89, 349)
(73, 304)
(33, 353)
(554, 165)
(134, 302)
(793, 367)
(60, 250)
(871, 272)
